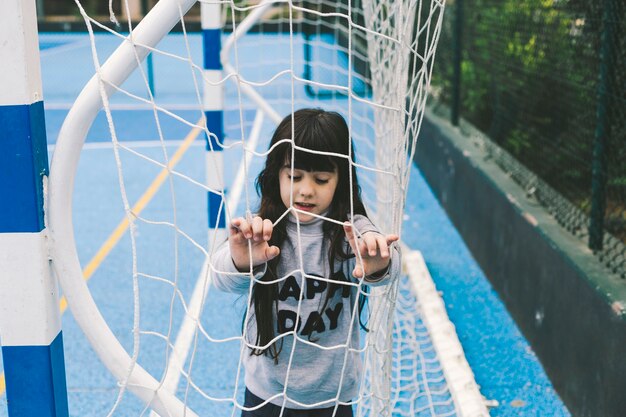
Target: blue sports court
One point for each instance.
(504, 365)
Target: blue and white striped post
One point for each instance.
(30, 324)
(213, 103)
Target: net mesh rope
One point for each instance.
(369, 60)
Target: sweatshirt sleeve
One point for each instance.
(364, 225)
(224, 273)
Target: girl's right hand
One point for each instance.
(258, 232)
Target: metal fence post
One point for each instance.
(602, 134)
(458, 58)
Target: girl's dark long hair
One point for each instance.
(313, 130)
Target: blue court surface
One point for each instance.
(504, 364)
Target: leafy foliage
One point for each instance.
(530, 79)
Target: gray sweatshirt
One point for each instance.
(322, 346)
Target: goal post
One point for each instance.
(30, 326)
(213, 106)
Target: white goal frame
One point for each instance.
(118, 68)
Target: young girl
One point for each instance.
(302, 329)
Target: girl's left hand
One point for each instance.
(373, 249)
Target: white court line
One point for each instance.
(51, 105)
(464, 390)
(189, 325)
(128, 106)
(134, 144)
(70, 46)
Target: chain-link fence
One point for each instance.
(545, 80)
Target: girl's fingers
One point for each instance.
(363, 251)
(392, 238)
(347, 228)
(366, 246)
(268, 228)
(257, 229)
(245, 228)
(382, 246)
(358, 246)
(271, 252)
(357, 272)
(238, 227)
(234, 227)
(371, 243)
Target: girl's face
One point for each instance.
(312, 191)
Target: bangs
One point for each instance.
(309, 161)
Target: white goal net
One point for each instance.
(368, 60)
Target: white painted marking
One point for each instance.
(211, 16)
(29, 303)
(20, 74)
(213, 90)
(71, 46)
(215, 170)
(465, 392)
